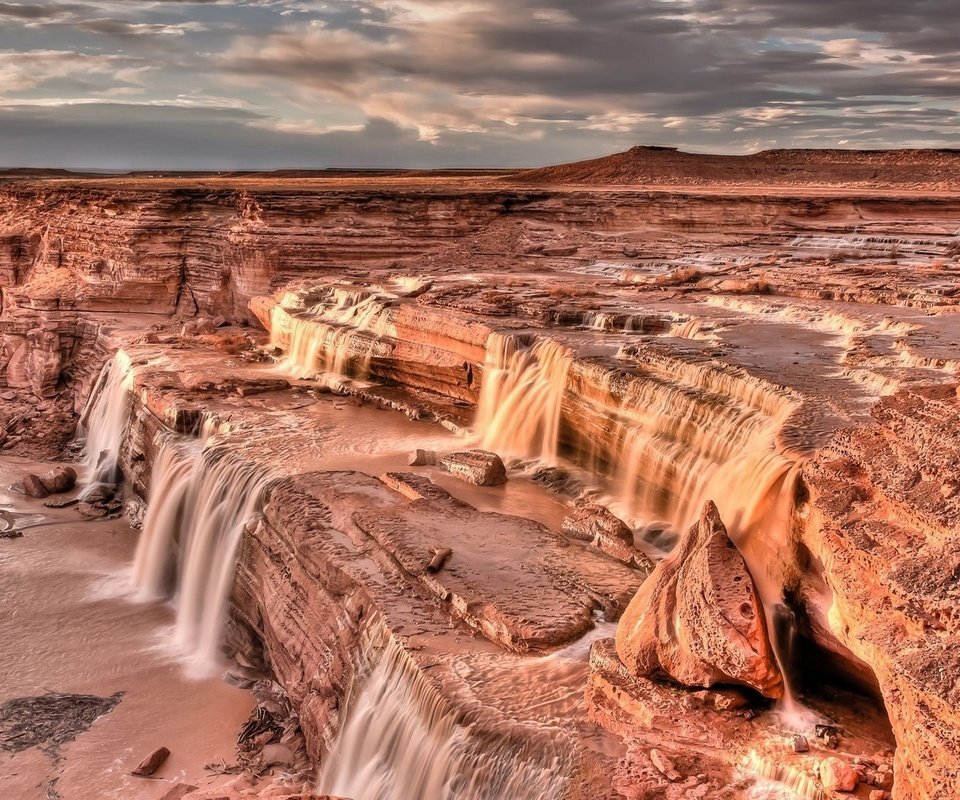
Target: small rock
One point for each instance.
(152, 762)
(34, 487)
(884, 779)
(422, 458)
(837, 775)
(179, 791)
(276, 754)
(588, 521)
(722, 699)
(61, 502)
(201, 326)
(799, 743)
(828, 735)
(878, 794)
(560, 250)
(89, 511)
(664, 765)
(103, 493)
(136, 511)
(439, 559)
(479, 467)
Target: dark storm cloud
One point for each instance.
(42, 11)
(484, 81)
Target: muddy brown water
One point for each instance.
(67, 627)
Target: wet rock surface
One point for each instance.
(50, 721)
(479, 467)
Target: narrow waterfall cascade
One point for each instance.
(203, 493)
(105, 419)
(524, 379)
(334, 332)
(401, 740)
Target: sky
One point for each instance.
(220, 84)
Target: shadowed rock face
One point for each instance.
(885, 513)
(698, 619)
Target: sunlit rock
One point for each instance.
(697, 619)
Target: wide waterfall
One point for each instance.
(665, 441)
(332, 334)
(104, 421)
(401, 740)
(202, 495)
(524, 379)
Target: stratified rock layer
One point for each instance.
(698, 619)
(884, 523)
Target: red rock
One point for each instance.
(837, 775)
(697, 617)
(478, 467)
(421, 458)
(152, 762)
(34, 487)
(597, 525)
(59, 479)
(591, 520)
(179, 791)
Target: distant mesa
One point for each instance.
(655, 165)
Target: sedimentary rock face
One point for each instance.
(698, 619)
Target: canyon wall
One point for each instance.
(761, 350)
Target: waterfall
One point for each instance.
(335, 335)
(401, 741)
(104, 421)
(524, 379)
(202, 494)
(689, 329)
(667, 439)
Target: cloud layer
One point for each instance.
(280, 83)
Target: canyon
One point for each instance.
(565, 483)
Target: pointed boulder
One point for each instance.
(698, 619)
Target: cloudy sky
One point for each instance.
(314, 83)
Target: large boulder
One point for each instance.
(698, 619)
(59, 479)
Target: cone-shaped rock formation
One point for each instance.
(698, 618)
